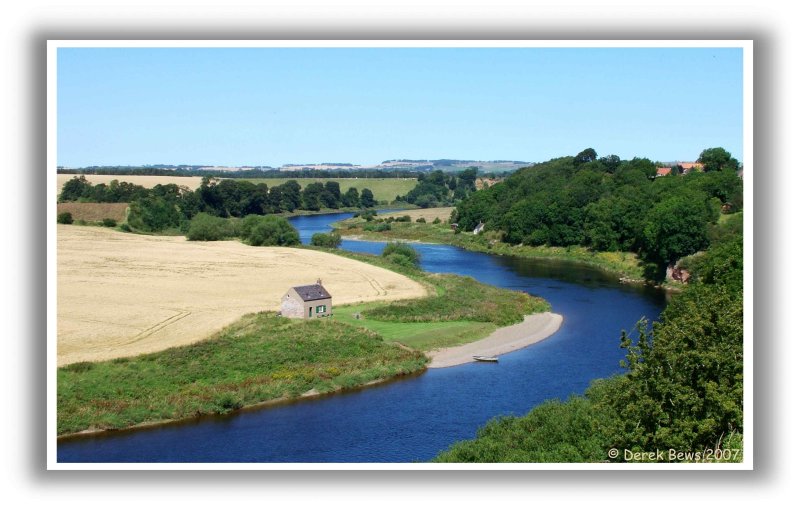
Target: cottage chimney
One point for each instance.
(319, 281)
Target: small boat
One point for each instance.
(485, 358)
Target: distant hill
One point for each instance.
(391, 167)
(453, 165)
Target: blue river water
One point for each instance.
(413, 418)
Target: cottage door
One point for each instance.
(309, 312)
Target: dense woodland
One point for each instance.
(608, 204)
(167, 206)
(437, 189)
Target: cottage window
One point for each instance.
(321, 308)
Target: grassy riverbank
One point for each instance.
(453, 297)
(459, 310)
(462, 310)
(257, 359)
(625, 265)
(422, 336)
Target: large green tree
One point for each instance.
(585, 156)
(367, 199)
(332, 195)
(717, 159)
(154, 214)
(675, 227)
(312, 196)
(351, 198)
(291, 197)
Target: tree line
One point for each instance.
(171, 206)
(609, 204)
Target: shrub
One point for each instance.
(326, 240)
(227, 402)
(268, 231)
(125, 227)
(436, 221)
(377, 227)
(65, 218)
(109, 222)
(405, 218)
(421, 220)
(401, 253)
(205, 227)
(154, 214)
(400, 260)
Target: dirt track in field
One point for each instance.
(126, 294)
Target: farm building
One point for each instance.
(307, 302)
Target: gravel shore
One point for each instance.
(533, 329)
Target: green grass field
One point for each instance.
(382, 189)
(462, 310)
(423, 336)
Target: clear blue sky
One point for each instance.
(273, 106)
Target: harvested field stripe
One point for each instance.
(161, 325)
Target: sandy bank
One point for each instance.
(533, 329)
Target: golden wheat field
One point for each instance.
(92, 211)
(148, 181)
(125, 294)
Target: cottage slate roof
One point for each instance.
(312, 292)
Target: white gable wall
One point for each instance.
(293, 306)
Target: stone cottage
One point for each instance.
(307, 302)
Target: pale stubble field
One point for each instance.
(148, 181)
(125, 294)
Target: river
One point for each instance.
(413, 418)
